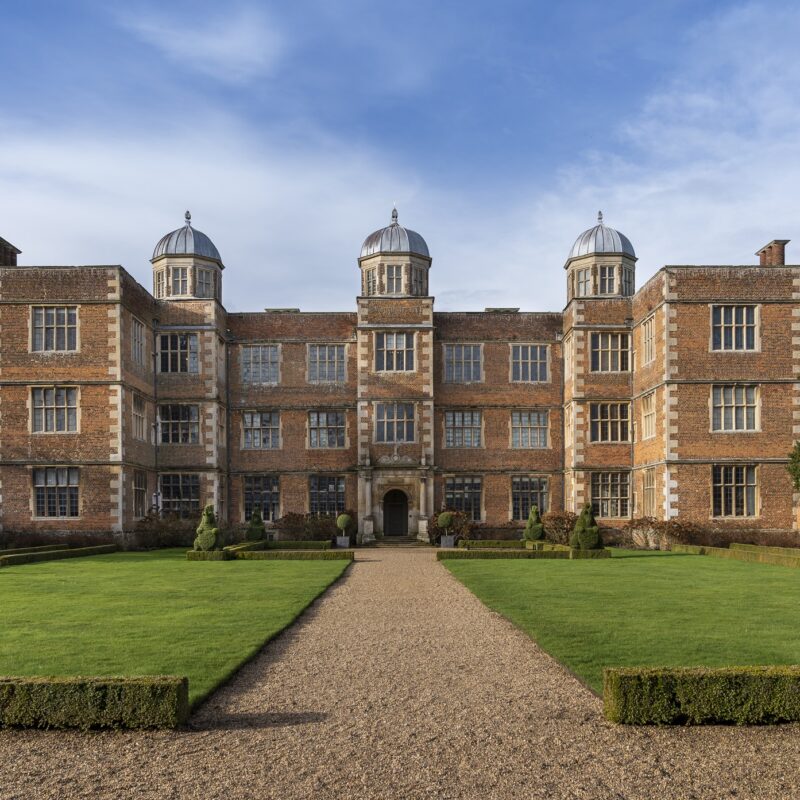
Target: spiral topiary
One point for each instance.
(534, 529)
(207, 531)
(256, 530)
(586, 535)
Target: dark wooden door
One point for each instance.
(395, 513)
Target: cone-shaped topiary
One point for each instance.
(207, 531)
(534, 530)
(256, 530)
(586, 535)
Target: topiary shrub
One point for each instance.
(207, 530)
(445, 521)
(534, 529)
(586, 534)
(343, 522)
(256, 529)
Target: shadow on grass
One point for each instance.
(244, 721)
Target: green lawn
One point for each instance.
(150, 613)
(645, 609)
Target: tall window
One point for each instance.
(261, 430)
(394, 352)
(607, 280)
(55, 491)
(649, 492)
(55, 410)
(180, 280)
(370, 286)
(260, 364)
(326, 363)
(262, 492)
(463, 493)
(326, 494)
(462, 363)
(326, 429)
(528, 491)
(394, 279)
(394, 422)
(733, 327)
(529, 428)
(417, 281)
(205, 283)
(649, 340)
(55, 328)
(733, 408)
(462, 428)
(180, 424)
(609, 422)
(137, 341)
(649, 416)
(159, 287)
(138, 417)
(139, 493)
(611, 494)
(734, 491)
(627, 282)
(179, 352)
(583, 282)
(529, 363)
(180, 494)
(609, 352)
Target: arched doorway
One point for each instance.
(395, 513)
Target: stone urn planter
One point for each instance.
(448, 541)
(343, 541)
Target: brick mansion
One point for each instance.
(678, 399)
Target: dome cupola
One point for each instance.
(601, 263)
(187, 265)
(394, 262)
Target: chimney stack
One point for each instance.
(773, 254)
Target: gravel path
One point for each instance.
(400, 684)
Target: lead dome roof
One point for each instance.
(601, 239)
(186, 241)
(394, 238)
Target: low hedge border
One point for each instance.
(303, 545)
(541, 544)
(55, 555)
(773, 551)
(702, 695)
(159, 701)
(755, 557)
(210, 555)
(235, 548)
(446, 555)
(486, 544)
(42, 548)
(576, 553)
(296, 555)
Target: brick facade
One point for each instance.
(639, 438)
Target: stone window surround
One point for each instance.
(140, 505)
(620, 497)
(756, 484)
(649, 416)
(548, 434)
(68, 485)
(31, 315)
(136, 396)
(734, 405)
(169, 351)
(453, 476)
(621, 419)
(193, 506)
(274, 489)
(480, 428)
(610, 350)
(338, 477)
(414, 420)
(191, 424)
(649, 340)
(530, 476)
(318, 381)
(243, 428)
(278, 363)
(413, 349)
(479, 345)
(32, 410)
(756, 324)
(344, 426)
(547, 362)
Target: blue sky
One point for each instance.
(499, 129)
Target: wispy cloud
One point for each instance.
(234, 48)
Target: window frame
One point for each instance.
(189, 507)
(649, 340)
(274, 430)
(451, 491)
(614, 478)
(606, 279)
(649, 415)
(205, 278)
(66, 326)
(397, 422)
(394, 278)
(272, 493)
(623, 354)
(602, 428)
(543, 363)
(176, 425)
(339, 427)
(249, 363)
(449, 355)
(756, 491)
(583, 282)
(71, 497)
(340, 494)
(527, 426)
(382, 350)
(649, 491)
(734, 406)
(176, 356)
(327, 361)
(517, 495)
(756, 326)
(468, 431)
(54, 409)
(138, 348)
(138, 419)
(140, 505)
(183, 281)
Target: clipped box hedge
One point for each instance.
(737, 554)
(295, 555)
(235, 548)
(210, 555)
(42, 548)
(447, 554)
(702, 695)
(574, 552)
(541, 544)
(773, 551)
(145, 702)
(55, 555)
(488, 544)
(303, 545)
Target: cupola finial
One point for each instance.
(394, 215)
(599, 217)
(188, 217)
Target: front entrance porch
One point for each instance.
(395, 513)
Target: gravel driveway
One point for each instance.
(400, 684)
